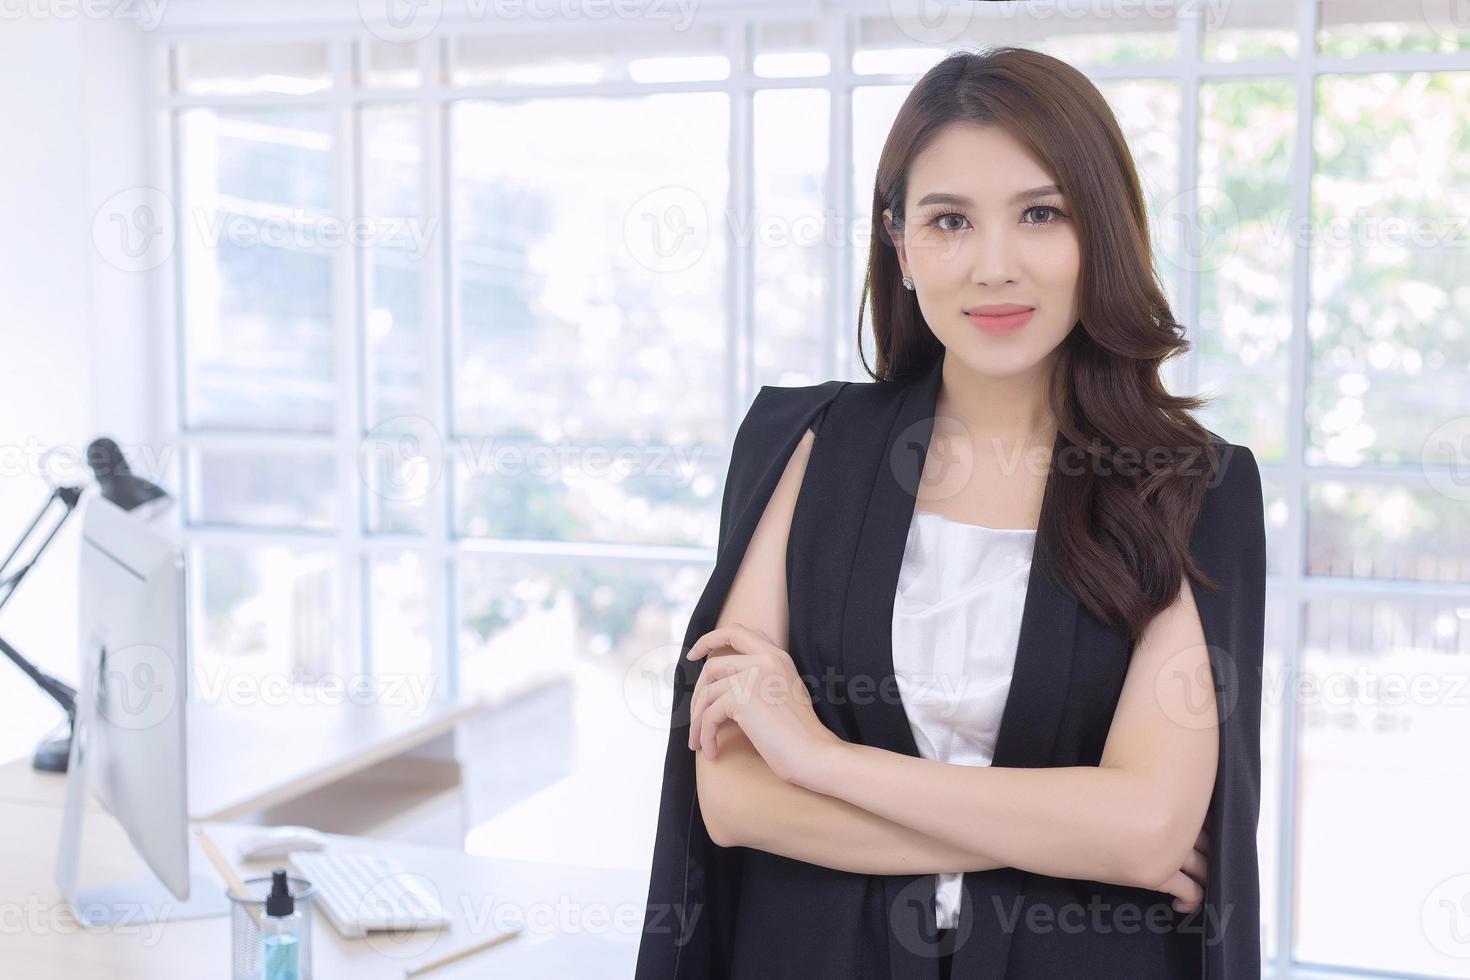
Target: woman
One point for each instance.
(943, 714)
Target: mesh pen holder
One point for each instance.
(247, 915)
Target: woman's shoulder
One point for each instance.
(777, 408)
(1234, 506)
(858, 402)
(1235, 470)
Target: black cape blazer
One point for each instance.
(745, 913)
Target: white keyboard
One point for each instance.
(364, 892)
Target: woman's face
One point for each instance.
(975, 236)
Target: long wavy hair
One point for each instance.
(1121, 521)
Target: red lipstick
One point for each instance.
(1000, 317)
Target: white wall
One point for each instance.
(76, 345)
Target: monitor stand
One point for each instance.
(146, 900)
(121, 903)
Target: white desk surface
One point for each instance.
(244, 759)
(588, 919)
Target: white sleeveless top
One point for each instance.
(956, 623)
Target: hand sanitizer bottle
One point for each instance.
(280, 932)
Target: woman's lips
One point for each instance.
(1001, 323)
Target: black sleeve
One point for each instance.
(1229, 542)
(694, 884)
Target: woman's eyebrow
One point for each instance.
(942, 197)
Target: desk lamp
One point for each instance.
(117, 483)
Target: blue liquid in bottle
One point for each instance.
(281, 956)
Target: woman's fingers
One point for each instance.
(732, 635)
(726, 664)
(737, 674)
(701, 700)
(716, 668)
(729, 673)
(1194, 866)
(1186, 891)
(733, 687)
(714, 715)
(1187, 884)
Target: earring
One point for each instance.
(908, 283)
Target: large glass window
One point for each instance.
(464, 326)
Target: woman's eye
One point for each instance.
(1043, 207)
(938, 219)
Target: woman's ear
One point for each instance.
(894, 232)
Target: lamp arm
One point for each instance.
(69, 497)
(61, 692)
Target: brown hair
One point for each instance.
(1122, 522)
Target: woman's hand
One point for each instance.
(757, 686)
(1187, 884)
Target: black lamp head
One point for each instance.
(115, 480)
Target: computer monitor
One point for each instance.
(128, 747)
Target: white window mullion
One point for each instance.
(1293, 484)
(738, 219)
(347, 318)
(1191, 30)
(167, 422)
(438, 307)
(837, 193)
(168, 287)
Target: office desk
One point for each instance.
(559, 905)
(349, 767)
(353, 768)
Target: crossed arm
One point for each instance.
(1133, 819)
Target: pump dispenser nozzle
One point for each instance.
(280, 901)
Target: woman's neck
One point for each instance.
(1009, 412)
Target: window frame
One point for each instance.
(440, 548)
